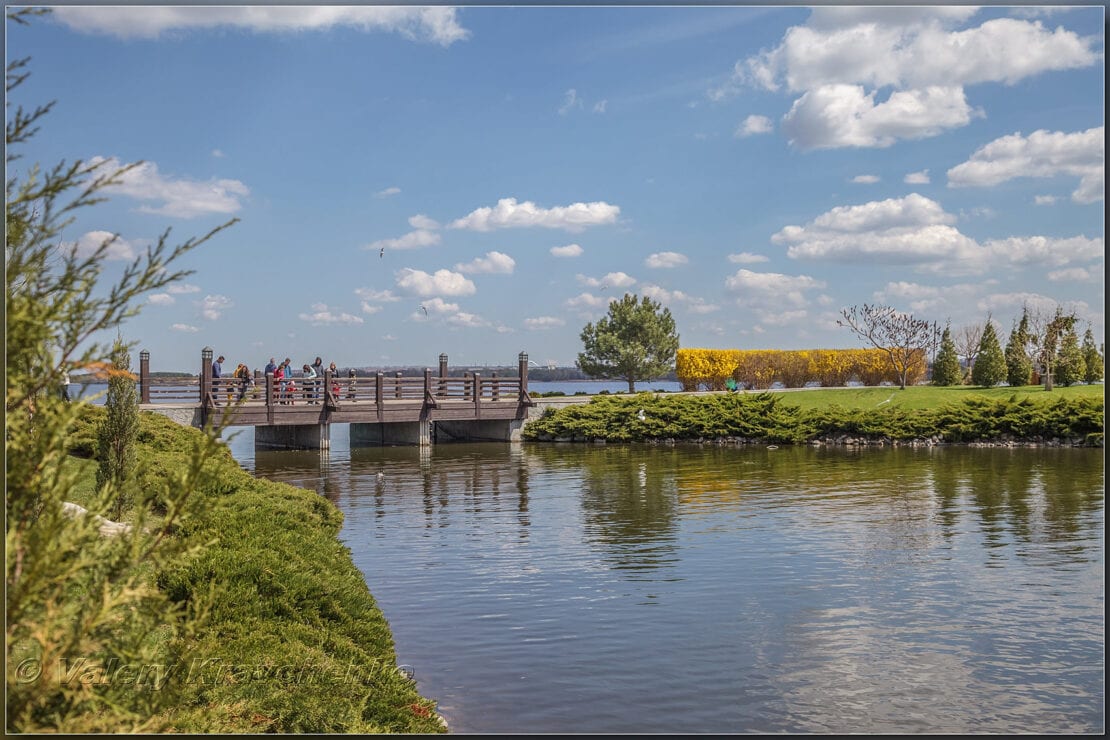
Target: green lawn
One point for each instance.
(926, 396)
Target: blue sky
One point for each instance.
(755, 169)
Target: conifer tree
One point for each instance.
(990, 364)
(1092, 358)
(117, 434)
(946, 366)
(1070, 365)
(1019, 369)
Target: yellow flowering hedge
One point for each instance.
(760, 368)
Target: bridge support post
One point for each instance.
(391, 433)
(482, 430)
(292, 437)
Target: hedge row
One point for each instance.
(761, 368)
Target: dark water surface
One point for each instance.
(544, 588)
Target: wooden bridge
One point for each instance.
(382, 409)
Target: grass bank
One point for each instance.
(293, 641)
(1071, 415)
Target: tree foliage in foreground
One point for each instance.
(900, 335)
(635, 341)
(75, 598)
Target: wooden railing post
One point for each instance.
(329, 399)
(466, 386)
(428, 397)
(397, 385)
(144, 376)
(523, 370)
(441, 391)
(477, 395)
(494, 387)
(205, 374)
(379, 383)
(270, 397)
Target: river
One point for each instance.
(582, 588)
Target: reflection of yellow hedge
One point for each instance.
(759, 368)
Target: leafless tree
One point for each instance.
(1043, 337)
(967, 340)
(900, 335)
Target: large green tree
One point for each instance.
(1019, 368)
(1092, 358)
(635, 341)
(990, 363)
(1070, 365)
(946, 365)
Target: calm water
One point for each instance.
(798, 590)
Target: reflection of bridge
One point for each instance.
(382, 410)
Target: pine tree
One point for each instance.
(636, 340)
(1019, 369)
(946, 366)
(117, 434)
(1070, 365)
(1093, 359)
(990, 364)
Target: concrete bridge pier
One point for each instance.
(481, 430)
(391, 433)
(293, 437)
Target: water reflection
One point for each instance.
(553, 588)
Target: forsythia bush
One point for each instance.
(760, 368)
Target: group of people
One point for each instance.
(311, 377)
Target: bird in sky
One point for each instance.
(424, 310)
(382, 252)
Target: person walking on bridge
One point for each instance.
(318, 370)
(217, 368)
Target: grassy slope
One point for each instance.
(295, 642)
(927, 397)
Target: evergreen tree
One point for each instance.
(990, 363)
(635, 341)
(1092, 358)
(1019, 368)
(1070, 365)
(946, 366)
(117, 434)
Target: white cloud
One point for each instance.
(747, 258)
(762, 287)
(420, 221)
(570, 102)
(439, 307)
(543, 322)
(321, 315)
(663, 260)
(675, 297)
(213, 306)
(494, 262)
(387, 192)
(865, 179)
(435, 24)
(184, 328)
(570, 250)
(946, 300)
(368, 308)
(833, 116)
(442, 282)
(917, 178)
(1041, 154)
(587, 300)
(376, 296)
(611, 280)
(469, 320)
(1044, 200)
(217, 154)
(412, 240)
(753, 125)
(1042, 250)
(177, 198)
(1075, 275)
(509, 213)
(160, 299)
(600, 106)
(782, 318)
(118, 250)
(182, 288)
(842, 57)
(1012, 303)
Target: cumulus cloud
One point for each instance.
(865, 179)
(761, 287)
(182, 288)
(439, 307)
(611, 280)
(412, 240)
(1041, 154)
(747, 258)
(435, 24)
(376, 296)
(917, 178)
(1044, 200)
(543, 322)
(508, 213)
(917, 230)
(600, 106)
(187, 328)
(369, 308)
(677, 297)
(570, 102)
(118, 249)
(753, 125)
(420, 221)
(570, 250)
(213, 306)
(442, 282)
(586, 301)
(177, 198)
(321, 315)
(387, 192)
(160, 299)
(1012, 303)
(494, 262)
(841, 57)
(948, 300)
(664, 260)
(1075, 275)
